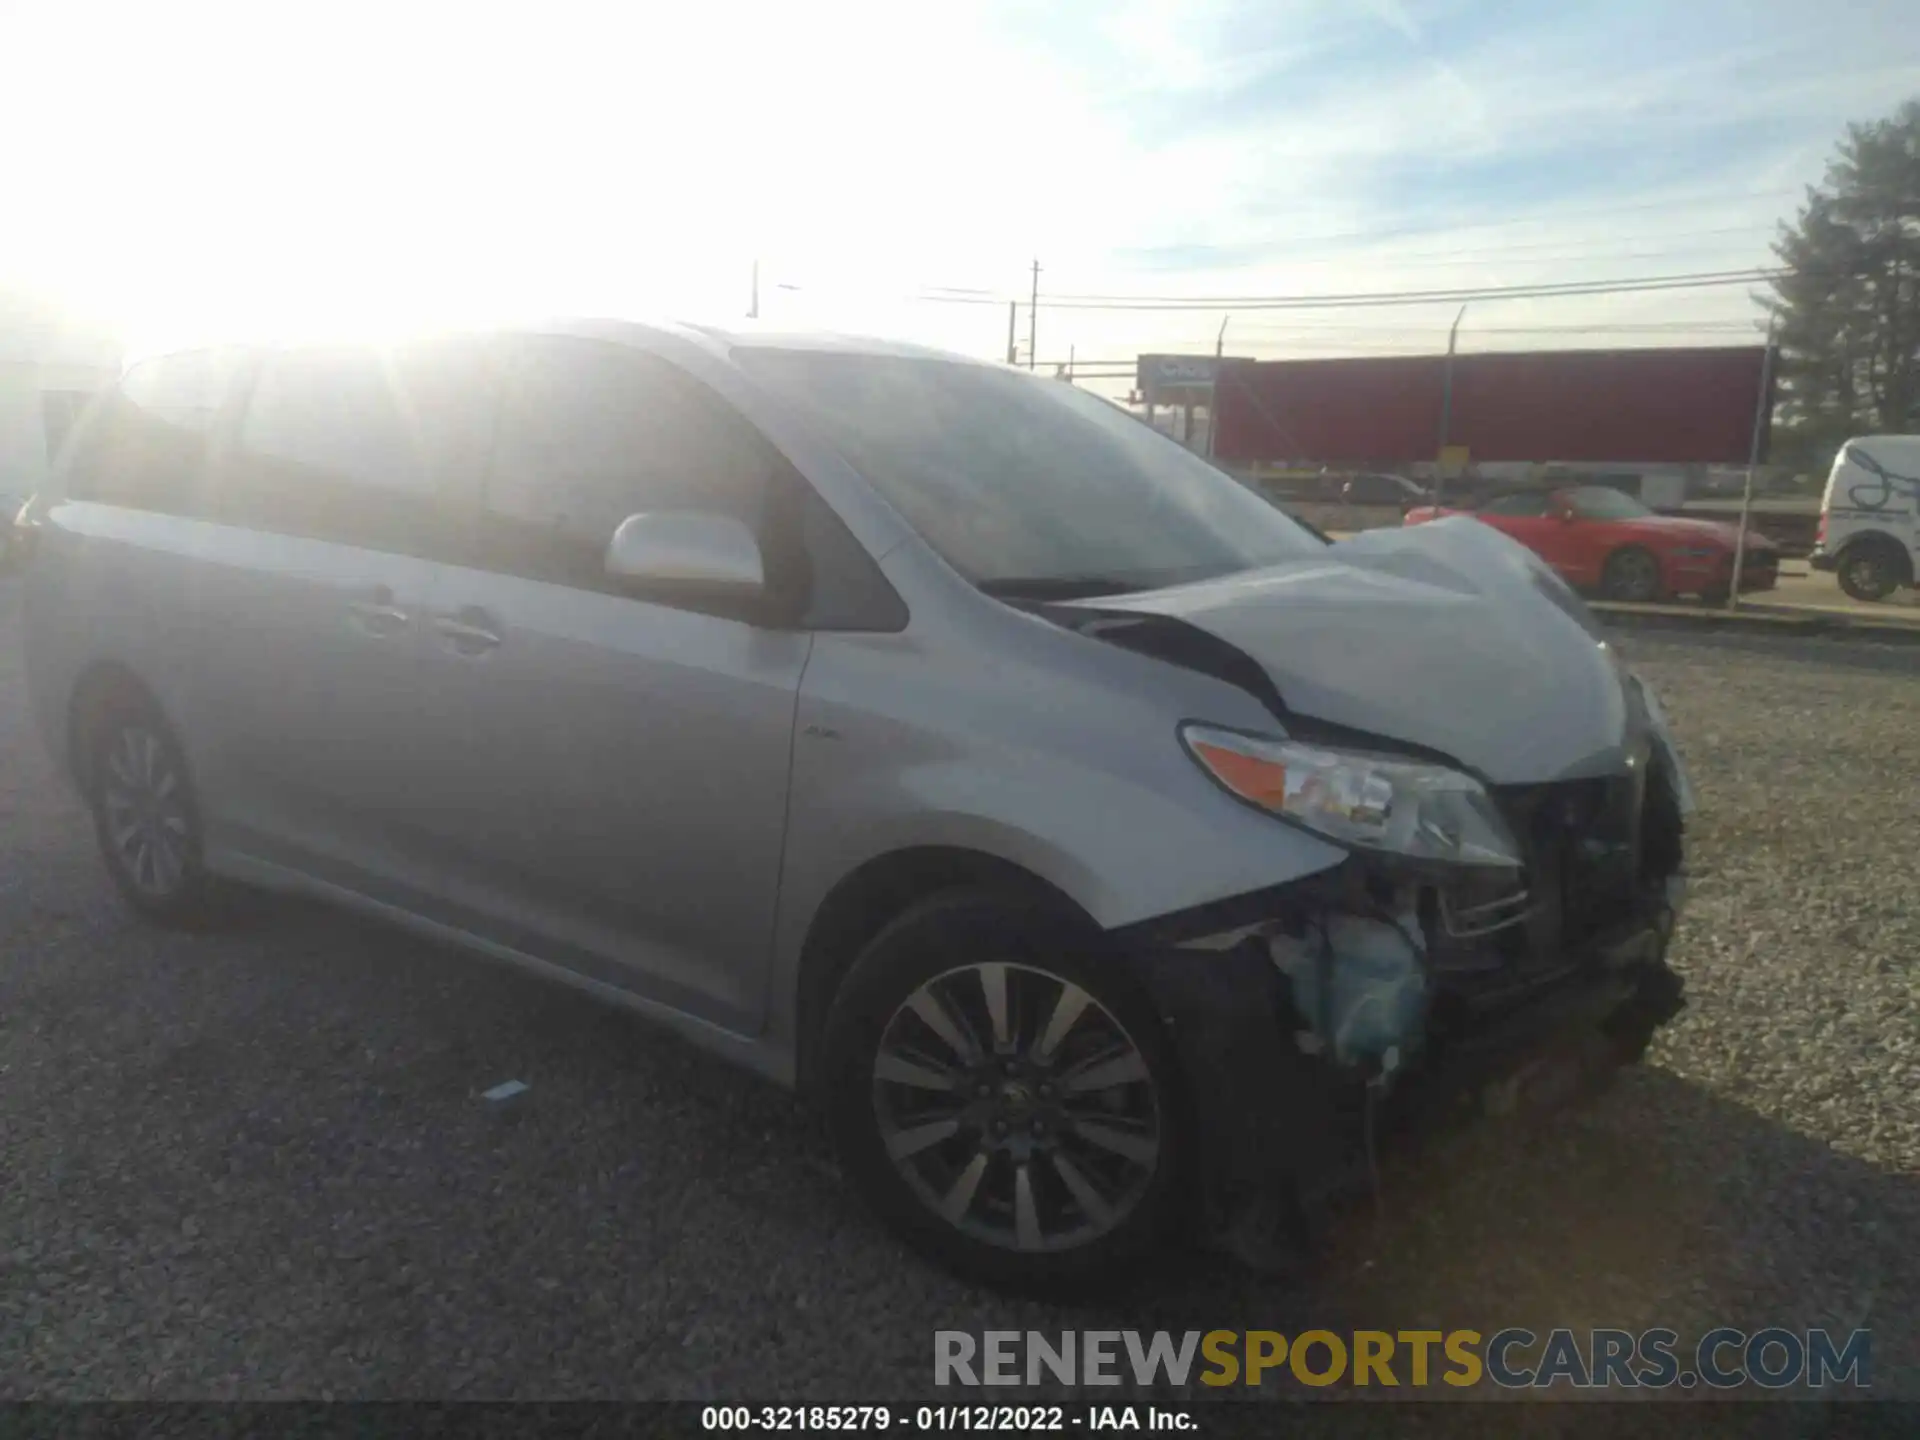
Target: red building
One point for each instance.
(1673, 406)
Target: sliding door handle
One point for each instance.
(468, 632)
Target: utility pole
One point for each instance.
(1760, 417)
(1446, 403)
(1213, 394)
(1013, 345)
(1033, 318)
(753, 303)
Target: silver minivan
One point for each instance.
(1109, 855)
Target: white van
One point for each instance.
(1869, 532)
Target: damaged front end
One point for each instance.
(1511, 802)
(1394, 993)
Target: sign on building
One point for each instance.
(1177, 379)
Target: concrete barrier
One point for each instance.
(1779, 621)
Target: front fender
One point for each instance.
(906, 743)
(1120, 851)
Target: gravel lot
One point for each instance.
(257, 1164)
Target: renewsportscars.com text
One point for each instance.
(1511, 1358)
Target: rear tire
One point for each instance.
(1632, 574)
(1871, 570)
(1003, 1097)
(146, 816)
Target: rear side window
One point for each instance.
(351, 444)
(147, 446)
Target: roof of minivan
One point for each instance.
(782, 338)
(717, 338)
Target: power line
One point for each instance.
(1540, 290)
(1570, 245)
(1418, 260)
(1654, 327)
(1543, 289)
(1428, 261)
(1691, 278)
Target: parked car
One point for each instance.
(1094, 844)
(1382, 490)
(1601, 539)
(1869, 534)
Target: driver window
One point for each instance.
(590, 433)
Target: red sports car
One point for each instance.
(1604, 540)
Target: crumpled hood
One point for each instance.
(1446, 635)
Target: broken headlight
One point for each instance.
(1379, 802)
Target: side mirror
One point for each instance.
(687, 552)
(1564, 514)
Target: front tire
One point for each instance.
(1632, 574)
(146, 816)
(1003, 1097)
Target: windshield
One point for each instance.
(1598, 502)
(1027, 485)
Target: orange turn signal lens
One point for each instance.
(1264, 782)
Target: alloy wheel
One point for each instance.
(1636, 576)
(1017, 1107)
(143, 800)
(1866, 576)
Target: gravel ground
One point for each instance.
(257, 1164)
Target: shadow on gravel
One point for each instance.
(698, 1212)
(1660, 1204)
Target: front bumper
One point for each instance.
(1761, 572)
(1282, 1129)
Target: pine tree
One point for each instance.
(1848, 303)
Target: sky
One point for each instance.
(195, 168)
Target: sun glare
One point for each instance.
(267, 170)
